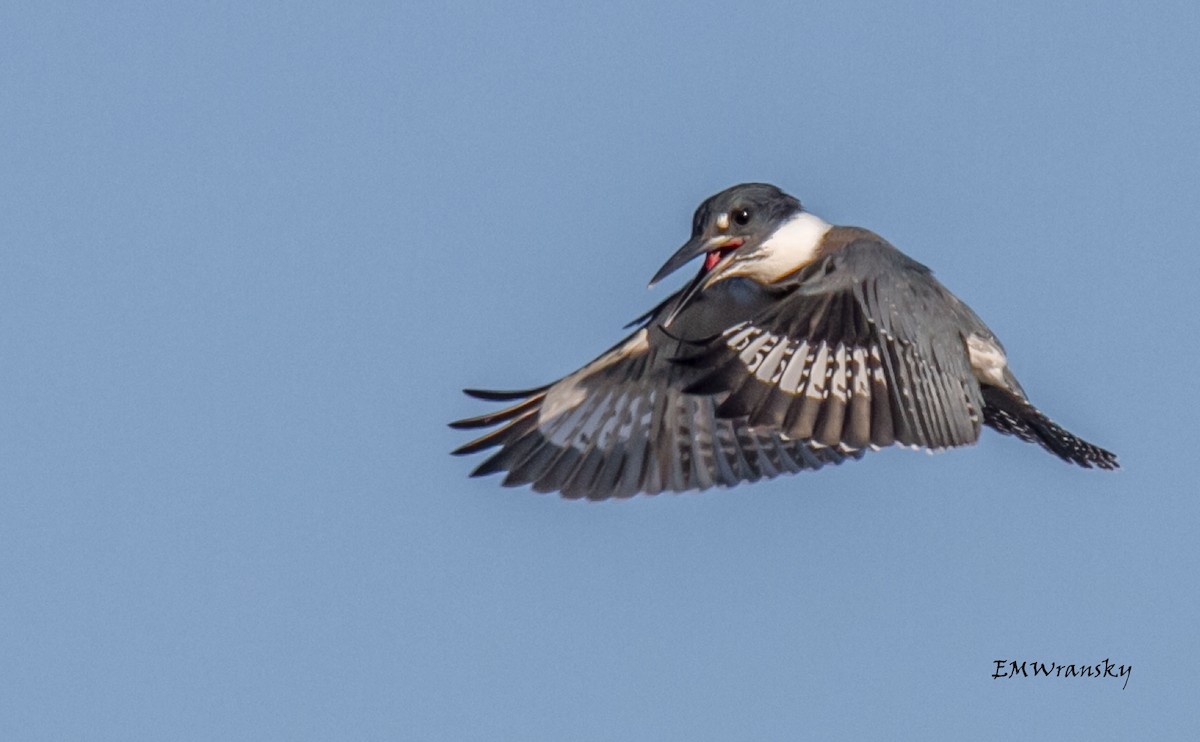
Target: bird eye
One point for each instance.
(742, 216)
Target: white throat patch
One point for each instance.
(793, 246)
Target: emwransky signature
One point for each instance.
(1034, 669)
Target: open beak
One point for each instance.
(694, 248)
(714, 248)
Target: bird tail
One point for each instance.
(1011, 415)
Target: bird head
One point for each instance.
(753, 230)
(732, 227)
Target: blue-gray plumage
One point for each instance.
(798, 344)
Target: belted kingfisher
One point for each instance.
(798, 344)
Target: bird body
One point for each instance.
(798, 344)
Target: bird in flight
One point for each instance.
(798, 344)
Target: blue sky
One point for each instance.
(251, 253)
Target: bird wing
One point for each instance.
(623, 425)
(865, 349)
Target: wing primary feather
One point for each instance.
(609, 476)
(748, 453)
(772, 410)
(582, 481)
(802, 417)
(946, 412)
(510, 432)
(652, 478)
(631, 472)
(828, 428)
(857, 426)
(883, 433)
(722, 442)
(770, 469)
(680, 449)
(503, 396)
(907, 427)
(533, 466)
(839, 325)
(557, 472)
(561, 464)
(895, 423)
(503, 458)
(732, 442)
(792, 378)
(928, 402)
(483, 421)
(703, 445)
(956, 401)
(591, 421)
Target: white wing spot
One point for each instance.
(568, 394)
(817, 374)
(988, 360)
(838, 389)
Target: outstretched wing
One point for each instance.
(623, 425)
(866, 349)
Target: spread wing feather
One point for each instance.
(864, 350)
(623, 425)
(861, 349)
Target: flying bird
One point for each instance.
(797, 344)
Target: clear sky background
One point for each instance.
(250, 252)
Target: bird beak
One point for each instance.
(693, 248)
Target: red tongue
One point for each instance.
(714, 257)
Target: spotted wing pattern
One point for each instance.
(861, 349)
(863, 352)
(623, 425)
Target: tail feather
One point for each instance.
(1013, 416)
